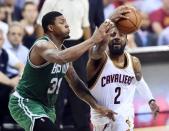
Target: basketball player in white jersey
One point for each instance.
(113, 77)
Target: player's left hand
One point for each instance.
(106, 112)
(154, 108)
(102, 32)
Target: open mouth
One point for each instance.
(117, 46)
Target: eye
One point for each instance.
(113, 34)
(61, 22)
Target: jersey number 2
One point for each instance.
(118, 92)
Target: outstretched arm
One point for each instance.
(72, 53)
(83, 93)
(143, 88)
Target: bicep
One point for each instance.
(137, 68)
(48, 53)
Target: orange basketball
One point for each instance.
(130, 25)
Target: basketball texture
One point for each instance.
(130, 25)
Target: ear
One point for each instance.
(50, 28)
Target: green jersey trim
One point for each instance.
(31, 115)
(44, 38)
(35, 66)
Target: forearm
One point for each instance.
(20, 68)
(69, 54)
(83, 93)
(98, 51)
(4, 79)
(144, 90)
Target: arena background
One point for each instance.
(155, 67)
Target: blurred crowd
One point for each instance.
(18, 32)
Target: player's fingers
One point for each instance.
(110, 28)
(155, 114)
(113, 118)
(109, 25)
(115, 113)
(125, 7)
(125, 11)
(124, 17)
(156, 111)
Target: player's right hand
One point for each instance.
(106, 112)
(102, 32)
(120, 13)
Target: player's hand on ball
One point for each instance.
(154, 108)
(120, 13)
(106, 112)
(102, 32)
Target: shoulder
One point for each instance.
(41, 44)
(135, 60)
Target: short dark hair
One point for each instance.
(49, 18)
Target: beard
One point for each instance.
(116, 49)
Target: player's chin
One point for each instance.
(67, 36)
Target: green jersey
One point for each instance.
(42, 83)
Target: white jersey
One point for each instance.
(114, 89)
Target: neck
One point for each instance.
(119, 61)
(118, 58)
(15, 46)
(58, 42)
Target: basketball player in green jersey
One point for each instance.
(32, 104)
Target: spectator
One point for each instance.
(12, 10)
(3, 25)
(29, 13)
(6, 83)
(14, 45)
(163, 37)
(143, 37)
(149, 6)
(160, 18)
(109, 7)
(96, 15)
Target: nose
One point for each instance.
(116, 40)
(66, 26)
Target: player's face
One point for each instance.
(61, 28)
(117, 42)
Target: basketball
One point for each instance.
(130, 25)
